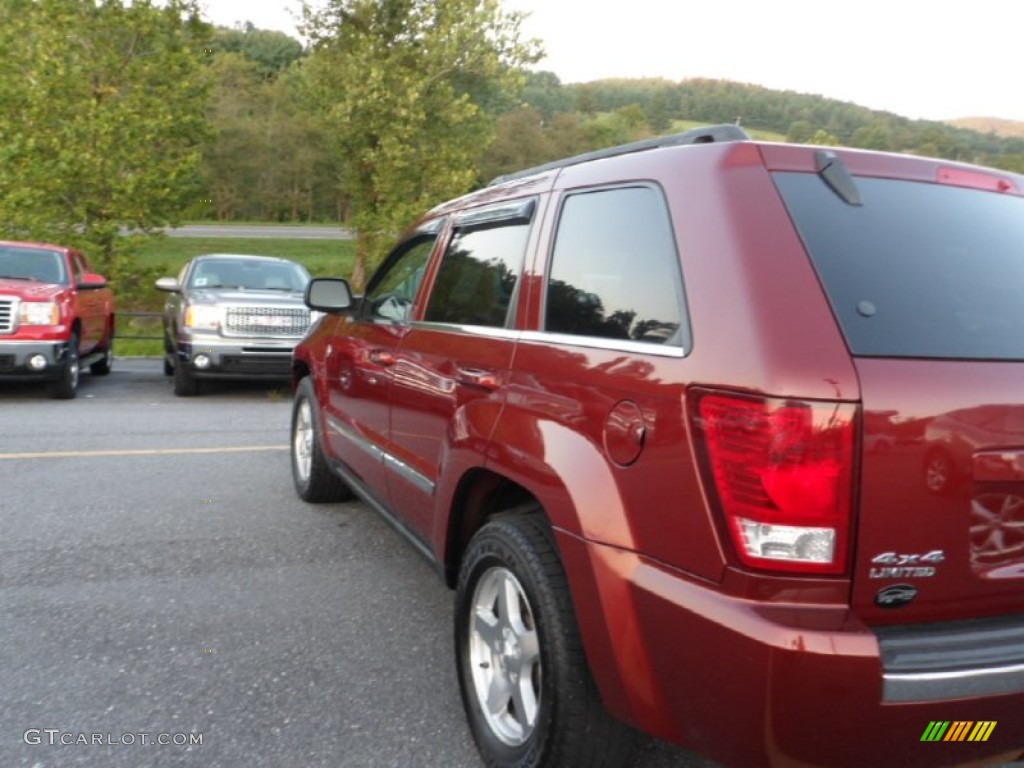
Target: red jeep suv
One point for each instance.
(661, 416)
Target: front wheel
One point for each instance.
(314, 480)
(528, 693)
(66, 386)
(185, 382)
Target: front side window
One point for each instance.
(478, 275)
(391, 293)
(78, 265)
(614, 270)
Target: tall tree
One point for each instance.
(272, 52)
(401, 82)
(102, 111)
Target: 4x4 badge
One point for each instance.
(894, 565)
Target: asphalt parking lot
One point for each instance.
(167, 600)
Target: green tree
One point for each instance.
(272, 52)
(232, 159)
(102, 111)
(823, 138)
(520, 142)
(874, 135)
(397, 78)
(544, 91)
(800, 132)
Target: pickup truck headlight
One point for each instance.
(39, 313)
(200, 318)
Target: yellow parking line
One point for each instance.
(141, 452)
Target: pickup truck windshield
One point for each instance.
(33, 264)
(248, 275)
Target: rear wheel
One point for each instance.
(314, 480)
(102, 366)
(528, 693)
(66, 387)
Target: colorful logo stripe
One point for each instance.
(958, 730)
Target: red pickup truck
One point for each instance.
(56, 315)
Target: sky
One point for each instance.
(917, 58)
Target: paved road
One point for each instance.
(263, 230)
(158, 576)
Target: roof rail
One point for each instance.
(707, 135)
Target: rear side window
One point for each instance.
(919, 270)
(478, 274)
(614, 269)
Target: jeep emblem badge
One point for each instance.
(896, 596)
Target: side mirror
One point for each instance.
(328, 294)
(90, 280)
(168, 284)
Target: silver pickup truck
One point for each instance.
(232, 316)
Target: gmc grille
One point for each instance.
(266, 321)
(7, 310)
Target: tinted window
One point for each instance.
(614, 270)
(478, 274)
(392, 291)
(919, 270)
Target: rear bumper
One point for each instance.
(753, 683)
(15, 357)
(238, 358)
(953, 659)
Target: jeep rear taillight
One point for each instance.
(782, 474)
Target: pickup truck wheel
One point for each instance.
(528, 693)
(102, 366)
(185, 384)
(66, 387)
(314, 480)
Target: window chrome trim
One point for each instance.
(400, 467)
(612, 345)
(490, 331)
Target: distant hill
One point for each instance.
(1009, 129)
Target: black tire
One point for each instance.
(314, 480)
(548, 712)
(185, 383)
(102, 366)
(66, 386)
(169, 355)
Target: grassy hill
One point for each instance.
(1009, 129)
